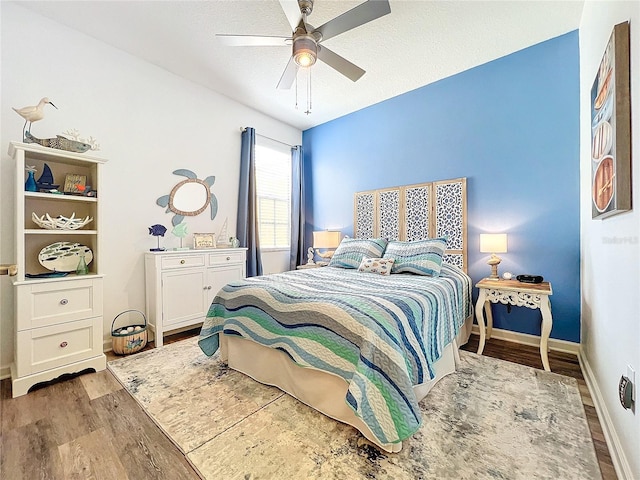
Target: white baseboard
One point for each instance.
(533, 340)
(618, 458)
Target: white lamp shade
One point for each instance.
(493, 243)
(326, 239)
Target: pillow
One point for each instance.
(351, 251)
(380, 266)
(422, 257)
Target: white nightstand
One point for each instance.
(513, 292)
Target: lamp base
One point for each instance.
(310, 256)
(326, 255)
(494, 261)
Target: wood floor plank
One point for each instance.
(99, 383)
(17, 412)
(91, 457)
(141, 446)
(71, 414)
(31, 452)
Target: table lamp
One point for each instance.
(493, 243)
(328, 240)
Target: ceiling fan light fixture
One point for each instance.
(305, 50)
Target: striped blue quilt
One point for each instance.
(381, 334)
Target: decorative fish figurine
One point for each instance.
(180, 230)
(60, 142)
(157, 230)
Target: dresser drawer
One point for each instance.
(49, 347)
(182, 261)
(222, 258)
(51, 303)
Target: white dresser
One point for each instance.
(181, 285)
(58, 320)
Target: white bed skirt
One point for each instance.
(321, 390)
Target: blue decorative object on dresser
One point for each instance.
(158, 231)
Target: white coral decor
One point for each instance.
(74, 134)
(60, 222)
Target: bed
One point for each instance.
(363, 349)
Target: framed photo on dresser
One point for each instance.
(204, 240)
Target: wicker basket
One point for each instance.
(124, 342)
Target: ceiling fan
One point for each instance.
(305, 40)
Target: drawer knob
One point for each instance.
(63, 344)
(228, 258)
(64, 301)
(209, 287)
(204, 288)
(181, 262)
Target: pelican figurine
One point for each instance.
(33, 113)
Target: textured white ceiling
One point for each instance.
(418, 43)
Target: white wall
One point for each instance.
(148, 121)
(611, 251)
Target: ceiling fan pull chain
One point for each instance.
(296, 92)
(308, 91)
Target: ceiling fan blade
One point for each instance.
(289, 75)
(292, 12)
(254, 40)
(340, 64)
(363, 13)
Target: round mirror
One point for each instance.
(189, 197)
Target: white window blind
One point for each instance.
(273, 190)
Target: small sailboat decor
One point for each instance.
(45, 182)
(223, 236)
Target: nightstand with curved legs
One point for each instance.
(513, 292)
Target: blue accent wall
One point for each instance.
(511, 127)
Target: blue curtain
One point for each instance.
(247, 224)
(297, 255)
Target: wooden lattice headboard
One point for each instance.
(416, 212)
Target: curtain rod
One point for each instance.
(242, 129)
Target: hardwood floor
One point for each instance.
(86, 427)
(90, 427)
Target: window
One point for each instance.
(273, 190)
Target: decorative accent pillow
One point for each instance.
(422, 257)
(351, 251)
(381, 266)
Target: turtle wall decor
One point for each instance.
(190, 197)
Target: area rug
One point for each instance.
(490, 419)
